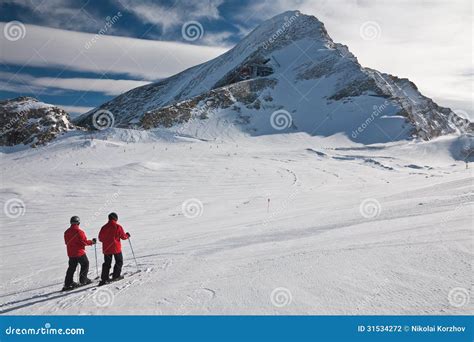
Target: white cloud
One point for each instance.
(172, 15)
(76, 110)
(216, 39)
(243, 31)
(106, 86)
(144, 59)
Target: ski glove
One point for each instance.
(128, 234)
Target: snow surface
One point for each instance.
(30, 104)
(313, 241)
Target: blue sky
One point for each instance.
(79, 54)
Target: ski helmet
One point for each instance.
(113, 216)
(75, 220)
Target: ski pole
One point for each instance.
(133, 253)
(96, 267)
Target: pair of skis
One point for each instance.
(92, 283)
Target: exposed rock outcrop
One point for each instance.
(25, 120)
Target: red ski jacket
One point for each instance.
(110, 235)
(76, 241)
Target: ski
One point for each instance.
(112, 281)
(72, 288)
(94, 284)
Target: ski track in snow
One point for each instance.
(313, 241)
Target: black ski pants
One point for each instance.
(108, 263)
(73, 262)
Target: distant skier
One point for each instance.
(110, 236)
(76, 241)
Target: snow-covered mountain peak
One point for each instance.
(288, 63)
(284, 29)
(290, 30)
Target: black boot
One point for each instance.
(86, 281)
(120, 277)
(70, 287)
(104, 282)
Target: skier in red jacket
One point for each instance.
(76, 241)
(110, 236)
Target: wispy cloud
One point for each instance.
(76, 110)
(106, 86)
(168, 16)
(142, 59)
(220, 39)
(72, 15)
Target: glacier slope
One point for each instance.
(313, 241)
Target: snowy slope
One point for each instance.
(350, 229)
(287, 63)
(236, 210)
